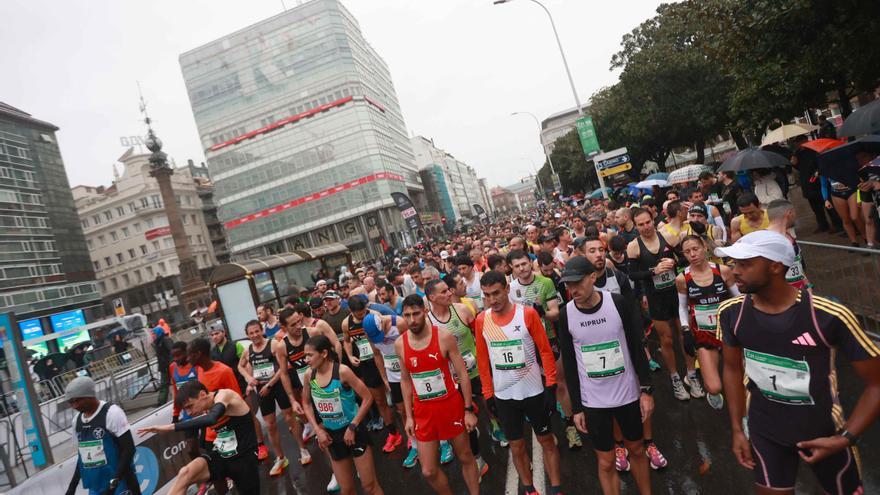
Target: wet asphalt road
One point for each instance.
(690, 434)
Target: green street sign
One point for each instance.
(587, 134)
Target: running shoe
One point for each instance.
(391, 443)
(696, 387)
(482, 467)
(678, 389)
(280, 465)
(333, 486)
(262, 452)
(308, 433)
(411, 458)
(531, 492)
(305, 457)
(203, 489)
(573, 437)
(715, 400)
(655, 458)
(499, 437)
(654, 365)
(445, 453)
(621, 459)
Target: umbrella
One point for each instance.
(865, 120)
(752, 158)
(597, 194)
(658, 176)
(823, 144)
(787, 132)
(840, 163)
(650, 183)
(688, 173)
(119, 330)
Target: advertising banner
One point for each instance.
(407, 210)
(481, 213)
(587, 135)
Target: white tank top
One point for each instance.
(475, 292)
(611, 284)
(513, 357)
(386, 348)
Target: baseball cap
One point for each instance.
(216, 326)
(444, 254)
(761, 244)
(332, 294)
(576, 268)
(698, 208)
(548, 237)
(316, 302)
(80, 387)
(158, 331)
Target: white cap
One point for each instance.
(444, 255)
(760, 244)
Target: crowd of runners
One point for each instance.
(550, 319)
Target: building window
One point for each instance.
(113, 236)
(149, 272)
(145, 203)
(125, 232)
(97, 265)
(102, 241)
(108, 261)
(199, 239)
(131, 253)
(119, 257)
(96, 219)
(102, 286)
(137, 227)
(85, 223)
(185, 219)
(90, 243)
(189, 240)
(126, 281)
(131, 207)
(149, 223)
(205, 260)
(120, 211)
(168, 242)
(156, 201)
(143, 249)
(114, 284)
(155, 245)
(137, 277)
(108, 215)
(161, 268)
(195, 219)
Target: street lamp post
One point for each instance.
(543, 148)
(577, 100)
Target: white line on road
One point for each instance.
(511, 486)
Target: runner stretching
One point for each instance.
(509, 338)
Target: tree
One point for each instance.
(575, 173)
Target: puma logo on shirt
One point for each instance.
(434, 356)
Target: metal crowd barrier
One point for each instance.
(849, 275)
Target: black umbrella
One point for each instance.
(119, 330)
(865, 120)
(753, 158)
(840, 163)
(51, 365)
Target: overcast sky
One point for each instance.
(460, 68)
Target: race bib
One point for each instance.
(365, 350)
(663, 280)
(727, 208)
(780, 379)
(392, 363)
(603, 360)
(795, 272)
(226, 443)
(507, 354)
(263, 372)
(706, 316)
(429, 384)
(470, 361)
(301, 373)
(91, 453)
(328, 404)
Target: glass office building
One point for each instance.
(45, 266)
(303, 134)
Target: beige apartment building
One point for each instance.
(130, 242)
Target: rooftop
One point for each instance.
(16, 113)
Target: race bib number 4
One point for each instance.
(780, 379)
(365, 350)
(429, 384)
(226, 443)
(507, 354)
(91, 453)
(663, 280)
(603, 360)
(706, 316)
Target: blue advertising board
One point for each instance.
(66, 321)
(30, 329)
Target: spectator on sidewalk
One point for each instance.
(162, 347)
(805, 161)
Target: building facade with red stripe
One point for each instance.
(303, 134)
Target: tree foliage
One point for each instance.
(575, 173)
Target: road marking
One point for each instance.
(511, 486)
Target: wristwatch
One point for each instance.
(470, 408)
(852, 439)
(647, 389)
(352, 426)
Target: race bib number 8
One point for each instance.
(429, 384)
(780, 379)
(507, 354)
(603, 360)
(663, 280)
(706, 316)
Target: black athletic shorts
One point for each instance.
(600, 424)
(369, 373)
(776, 467)
(663, 305)
(512, 415)
(276, 394)
(242, 469)
(396, 392)
(339, 450)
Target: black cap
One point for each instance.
(548, 237)
(578, 242)
(699, 208)
(316, 302)
(576, 269)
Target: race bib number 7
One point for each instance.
(603, 360)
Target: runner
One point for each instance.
(701, 288)
(652, 260)
(751, 218)
(537, 291)
(341, 432)
(434, 411)
(609, 383)
(676, 219)
(713, 216)
(234, 454)
(263, 365)
(266, 315)
(457, 319)
(781, 214)
(360, 354)
(785, 340)
(383, 331)
(465, 267)
(334, 314)
(511, 377)
(105, 447)
(458, 285)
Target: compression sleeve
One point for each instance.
(683, 313)
(126, 456)
(634, 335)
(203, 421)
(719, 222)
(569, 360)
(634, 270)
